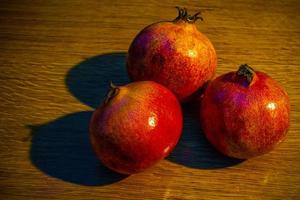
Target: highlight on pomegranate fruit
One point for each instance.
(136, 126)
(175, 54)
(245, 113)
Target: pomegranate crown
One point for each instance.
(112, 92)
(183, 15)
(247, 72)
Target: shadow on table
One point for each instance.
(88, 81)
(61, 148)
(193, 150)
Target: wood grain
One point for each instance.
(56, 58)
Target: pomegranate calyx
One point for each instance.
(112, 92)
(246, 71)
(183, 15)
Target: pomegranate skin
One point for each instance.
(174, 54)
(244, 118)
(137, 127)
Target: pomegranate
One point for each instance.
(137, 125)
(173, 53)
(245, 113)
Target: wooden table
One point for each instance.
(55, 63)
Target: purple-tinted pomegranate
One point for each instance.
(245, 113)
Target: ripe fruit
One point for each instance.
(173, 53)
(245, 113)
(137, 125)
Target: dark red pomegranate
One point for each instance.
(245, 113)
(137, 125)
(173, 53)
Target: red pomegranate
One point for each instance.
(245, 113)
(173, 53)
(137, 125)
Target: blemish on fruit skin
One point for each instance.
(158, 59)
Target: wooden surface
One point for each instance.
(55, 62)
